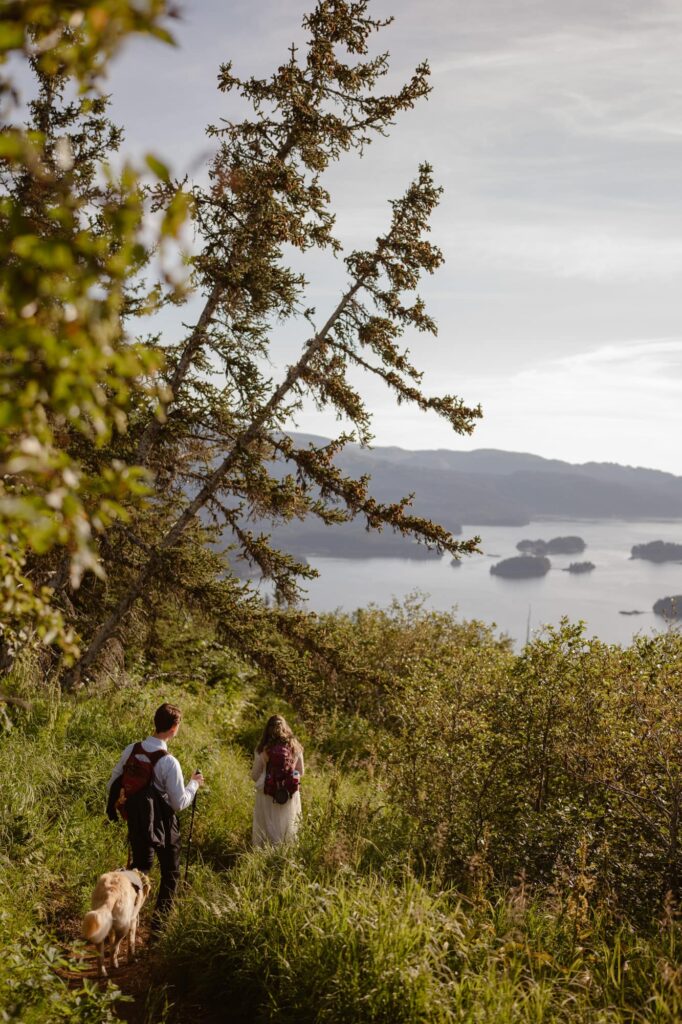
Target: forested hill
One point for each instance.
(483, 487)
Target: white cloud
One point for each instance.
(658, 356)
(618, 402)
(615, 403)
(563, 249)
(631, 381)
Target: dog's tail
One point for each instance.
(97, 924)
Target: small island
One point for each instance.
(555, 546)
(456, 562)
(669, 607)
(521, 567)
(658, 551)
(579, 567)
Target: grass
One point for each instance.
(55, 759)
(347, 925)
(276, 944)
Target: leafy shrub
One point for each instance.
(508, 764)
(32, 992)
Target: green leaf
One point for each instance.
(50, 255)
(8, 413)
(11, 36)
(157, 167)
(11, 144)
(175, 215)
(164, 35)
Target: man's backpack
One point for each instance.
(281, 779)
(138, 775)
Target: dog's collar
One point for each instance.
(133, 877)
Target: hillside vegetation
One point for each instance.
(487, 837)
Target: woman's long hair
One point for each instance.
(277, 730)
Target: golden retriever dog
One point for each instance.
(116, 904)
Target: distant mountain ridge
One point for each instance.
(483, 487)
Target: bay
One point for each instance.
(617, 584)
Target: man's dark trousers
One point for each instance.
(164, 838)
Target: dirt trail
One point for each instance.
(134, 979)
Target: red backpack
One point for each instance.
(281, 779)
(138, 774)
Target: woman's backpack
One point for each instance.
(281, 778)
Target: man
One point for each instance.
(152, 812)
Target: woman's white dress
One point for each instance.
(273, 823)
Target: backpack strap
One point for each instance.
(152, 755)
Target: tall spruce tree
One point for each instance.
(265, 195)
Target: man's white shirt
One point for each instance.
(167, 774)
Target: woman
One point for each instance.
(277, 770)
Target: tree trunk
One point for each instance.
(173, 535)
(194, 343)
(198, 335)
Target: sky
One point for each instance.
(555, 128)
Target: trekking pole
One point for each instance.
(189, 838)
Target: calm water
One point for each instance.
(617, 583)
